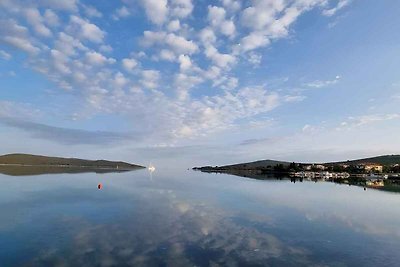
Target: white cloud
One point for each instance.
(271, 19)
(156, 10)
(181, 45)
(221, 60)
(174, 25)
(85, 30)
(35, 19)
(79, 77)
(207, 36)
(321, 84)
(217, 19)
(219, 113)
(280, 27)
(232, 5)
(68, 44)
(227, 36)
(18, 110)
(228, 28)
(4, 55)
(213, 73)
(294, 98)
(306, 128)
(106, 48)
(120, 80)
(151, 38)
(167, 55)
(262, 13)
(341, 4)
(181, 8)
(92, 11)
(367, 119)
(254, 58)
(312, 129)
(176, 43)
(216, 15)
(17, 36)
(228, 83)
(183, 83)
(95, 58)
(185, 62)
(208, 39)
(121, 12)
(253, 41)
(129, 64)
(11, 27)
(21, 43)
(60, 62)
(150, 79)
(51, 18)
(68, 5)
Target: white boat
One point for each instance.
(151, 168)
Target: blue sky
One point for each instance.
(202, 82)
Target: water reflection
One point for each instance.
(194, 219)
(19, 170)
(176, 233)
(390, 185)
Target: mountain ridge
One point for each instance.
(381, 160)
(40, 160)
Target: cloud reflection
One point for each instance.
(172, 232)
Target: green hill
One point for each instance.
(35, 160)
(246, 166)
(382, 160)
(256, 164)
(266, 164)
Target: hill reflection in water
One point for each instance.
(19, 170)
(389, 185)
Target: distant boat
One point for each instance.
(151, 168)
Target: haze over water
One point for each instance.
(186, 218)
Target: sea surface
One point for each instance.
(188, 218)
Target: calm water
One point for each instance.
(188, 218)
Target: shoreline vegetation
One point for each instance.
(26, 164)
(382, 172)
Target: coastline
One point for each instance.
(100, 167)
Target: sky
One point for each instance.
(190, 83)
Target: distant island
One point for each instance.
(27, 164)
(372, 172)
(380, 164)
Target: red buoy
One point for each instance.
(99, 186)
